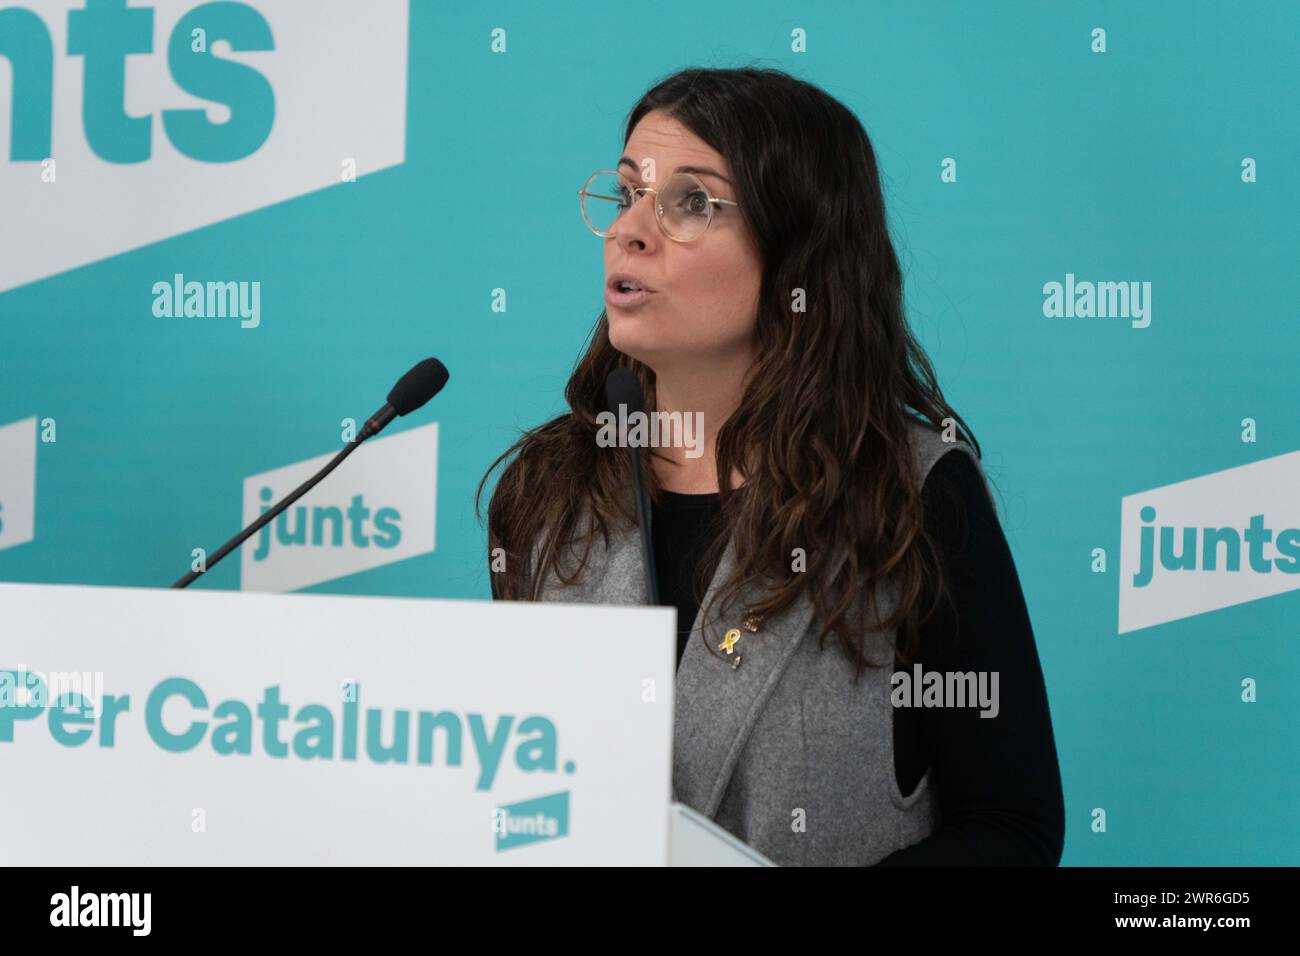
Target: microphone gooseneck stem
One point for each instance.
(377, 423)
(425, 380)
(269, 516)
(643, 520)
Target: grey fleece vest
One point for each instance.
(784, 751)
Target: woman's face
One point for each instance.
(704, 297)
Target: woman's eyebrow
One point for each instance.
(698, 170)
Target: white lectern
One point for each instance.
(698, 841)
(164, 727)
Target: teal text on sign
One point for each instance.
(531, 821)
(104, 33)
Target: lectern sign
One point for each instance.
(170, 727)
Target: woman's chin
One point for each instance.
(634, 337)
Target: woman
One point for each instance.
(835, 529)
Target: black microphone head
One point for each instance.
(622, 387)
(417, 386)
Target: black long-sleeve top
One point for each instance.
(998, 780)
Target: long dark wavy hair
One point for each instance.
(821, 432)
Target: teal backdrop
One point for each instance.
(1119, 165)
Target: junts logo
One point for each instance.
(376, 508)
(381, 529)
(104, 34)
(232, 106)
(1210, 542)
(531, 821)
(1213, 549)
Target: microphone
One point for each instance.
(622, 387)
(412, 391)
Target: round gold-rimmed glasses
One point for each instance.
(684, 207)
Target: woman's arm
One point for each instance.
(997, 778)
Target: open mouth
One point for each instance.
(624, 291)
(621, 282)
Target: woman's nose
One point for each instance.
(637, 223)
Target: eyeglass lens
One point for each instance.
(684, 204)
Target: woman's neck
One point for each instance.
(704, 399)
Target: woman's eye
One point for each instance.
(697, 203)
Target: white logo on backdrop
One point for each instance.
(1210, 542)
(376, 508)
(338, 75)
(17, 482)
